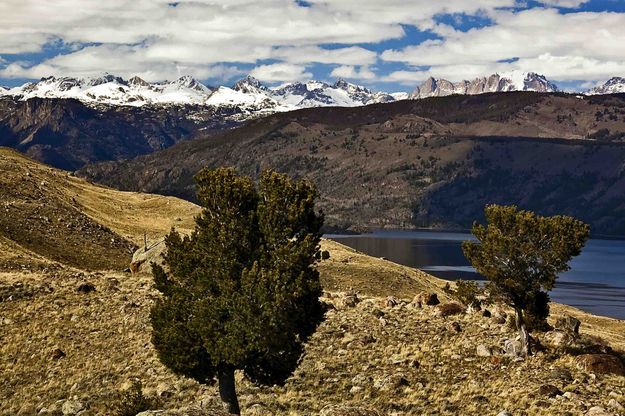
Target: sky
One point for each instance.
(389, 45)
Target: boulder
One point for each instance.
(390, 302)
(72, 407)
(426, 298)
(597, 411)
(600, 364)
(448, 309)
(558, 338)
(615, 405)
(568, 325)
(349, 300)
(483, 351)
(145, 256)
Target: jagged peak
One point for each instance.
(248, 84)
(136, 80)
(104, 79)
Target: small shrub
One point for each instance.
(467, 292)
(133, 401)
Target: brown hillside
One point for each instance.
(423, 163)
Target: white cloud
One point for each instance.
(280, 72)
(152, 37)
(572, 4)
(211, 38)
(353, 72)
(561, 46)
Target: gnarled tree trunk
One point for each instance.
(525, 336)
(227, 390)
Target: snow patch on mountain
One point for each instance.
(248, 94)
(614, 85)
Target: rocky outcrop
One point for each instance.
(144, 257)
(601, 364)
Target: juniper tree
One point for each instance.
(521, 254)
(240, 292)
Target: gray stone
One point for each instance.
(597, 411)
(483, 351)
(72, 407)
(568, 324)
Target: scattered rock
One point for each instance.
(483, 351)
(568, 324)
(426, 298)
(145, 256)
(391, 302)
(597, 411)
(349, 300)
(615, 405)
(71, 407)
(57, 354)
(448, 309)
(86, 288)
(504, 413)
(486, 313)
(549, 390)
(325, 255)
(559, 338)
(392, 382)
(600, 364)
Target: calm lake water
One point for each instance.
(595, 283)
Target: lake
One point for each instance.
(595, 283)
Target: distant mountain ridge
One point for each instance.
(251, 97)
(615, 85)
(505, 82)
(249, 94)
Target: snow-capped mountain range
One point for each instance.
(250, 96)
(248, 93)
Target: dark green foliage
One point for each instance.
(241, 292)
(133, 401)
(537, 312)
(522, 254)
(467, 292)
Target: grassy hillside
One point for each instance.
(59, 345)
(424, 163)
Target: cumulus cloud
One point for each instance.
(568, 46)
(158, 39)
(280, 72)
(353, 72)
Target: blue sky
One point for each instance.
(389, 45)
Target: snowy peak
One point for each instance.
(113, 90)
(190, 83)
(504, 82)
(614, 85)
(249, 85)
